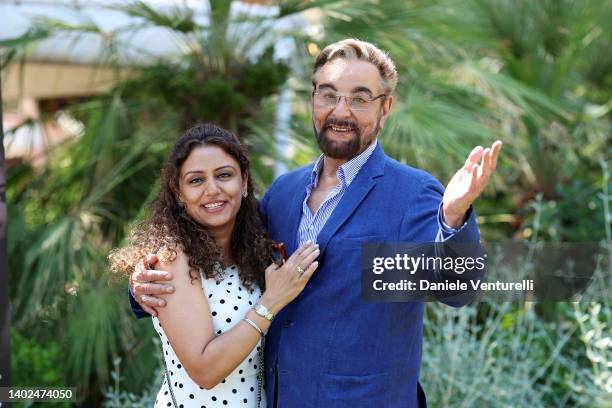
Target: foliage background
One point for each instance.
(533, 74)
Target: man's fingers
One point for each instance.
(155, 275)
(474, 156)
(486, 157)
(140, 266)
(474, 177)
(141, 288)
(151, 260)
(149, 275)
(490, 159)
(496, 149)
(152, 301)
(149, 310)
(485, 167)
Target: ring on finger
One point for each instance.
(300, 270)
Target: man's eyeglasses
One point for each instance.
(355, 102)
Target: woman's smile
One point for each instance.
(214, 207)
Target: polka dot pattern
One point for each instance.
(229, 301)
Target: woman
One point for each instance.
(205, 229)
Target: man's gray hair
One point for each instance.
(353, 49)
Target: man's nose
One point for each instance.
(342, 109)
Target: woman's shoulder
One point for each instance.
(176, 261)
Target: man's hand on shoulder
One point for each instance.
(146, 283)
(468, 183)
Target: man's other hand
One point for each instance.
(146, 284)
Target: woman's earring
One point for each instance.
(245, 194)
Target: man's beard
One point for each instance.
(342, 150)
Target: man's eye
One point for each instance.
(329, 96)
(360, 100)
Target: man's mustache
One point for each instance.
(341, 123)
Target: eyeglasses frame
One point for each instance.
(347, 97)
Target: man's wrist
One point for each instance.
(454, 220)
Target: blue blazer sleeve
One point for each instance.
(464, 242)
(138, 312)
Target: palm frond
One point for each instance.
(180, 19)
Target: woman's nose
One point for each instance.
(212, 188)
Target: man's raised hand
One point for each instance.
(468, 183)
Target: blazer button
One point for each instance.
(287, 323)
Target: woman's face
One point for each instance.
(211, 186)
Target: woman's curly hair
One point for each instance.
(168, 227)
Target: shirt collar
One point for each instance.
(349, 170)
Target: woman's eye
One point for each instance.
(224, 175)
(195, 180)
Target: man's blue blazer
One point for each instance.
(329, 348)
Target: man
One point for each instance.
(329, 348)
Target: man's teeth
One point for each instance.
(213, 205)
(340, 129)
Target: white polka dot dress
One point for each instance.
(229, 302)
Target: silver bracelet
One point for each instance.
(254, 325)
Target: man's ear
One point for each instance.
(386, 108)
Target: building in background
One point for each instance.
(62, 70)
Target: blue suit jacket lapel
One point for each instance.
(294, 215)
(354, 195)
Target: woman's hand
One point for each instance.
(284, 283)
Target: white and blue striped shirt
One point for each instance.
(312, 224)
